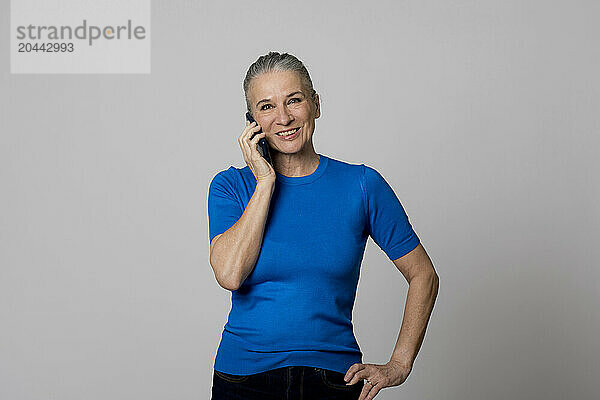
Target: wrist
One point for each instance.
(266, 184)
(401, 362)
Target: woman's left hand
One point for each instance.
(393, 373)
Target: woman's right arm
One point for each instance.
(234, 252)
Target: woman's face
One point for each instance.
(281, 103)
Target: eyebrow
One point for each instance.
(289, 95)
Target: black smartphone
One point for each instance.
(263, 146)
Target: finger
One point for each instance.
(250, 128)
(253, 129)
(248, 139)
(251, 136)
(252, 146)
(256, 138)
(352, 371)
(245, 149)
(371, 391)
(246, 152)
(247, 129)
(256, 152)
(253, 143)
(365, 391)
(353, 368)
(244, 131)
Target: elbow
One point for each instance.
(435, 283)
(228, 286)
(224, 276)
(431, 281)
(226, 282)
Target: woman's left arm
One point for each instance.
(423, 281)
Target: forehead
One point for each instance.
(275, 83)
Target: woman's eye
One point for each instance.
(266, 105)
(295, 98)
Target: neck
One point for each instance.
(296, 164)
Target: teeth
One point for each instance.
(288, 133)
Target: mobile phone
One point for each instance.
(263, 146)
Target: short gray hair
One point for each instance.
(275, 61)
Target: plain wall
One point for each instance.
(482, 115)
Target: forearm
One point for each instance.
(420, 299)
(235, 252)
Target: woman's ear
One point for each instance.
(317, 106)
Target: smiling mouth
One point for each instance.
(287, 133)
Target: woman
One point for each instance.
(288, 239)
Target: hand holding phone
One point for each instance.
(263, 146)
(256, 151)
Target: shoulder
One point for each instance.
(373, 180)
(367, 175)
(371, 174)
(226, 178)
(344, 166)
(360, 168)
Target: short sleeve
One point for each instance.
(223, 206)
(387, 221)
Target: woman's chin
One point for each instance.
(290, 149)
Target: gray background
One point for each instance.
(483, 116)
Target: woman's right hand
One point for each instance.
(262, 170)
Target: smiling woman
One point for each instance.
(280, 96)
(288, 239)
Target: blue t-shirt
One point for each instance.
(295, 307)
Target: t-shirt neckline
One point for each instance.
(301, 180)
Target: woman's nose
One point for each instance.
(284, 116)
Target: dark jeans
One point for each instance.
(286, 383)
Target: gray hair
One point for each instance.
(275, 61)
